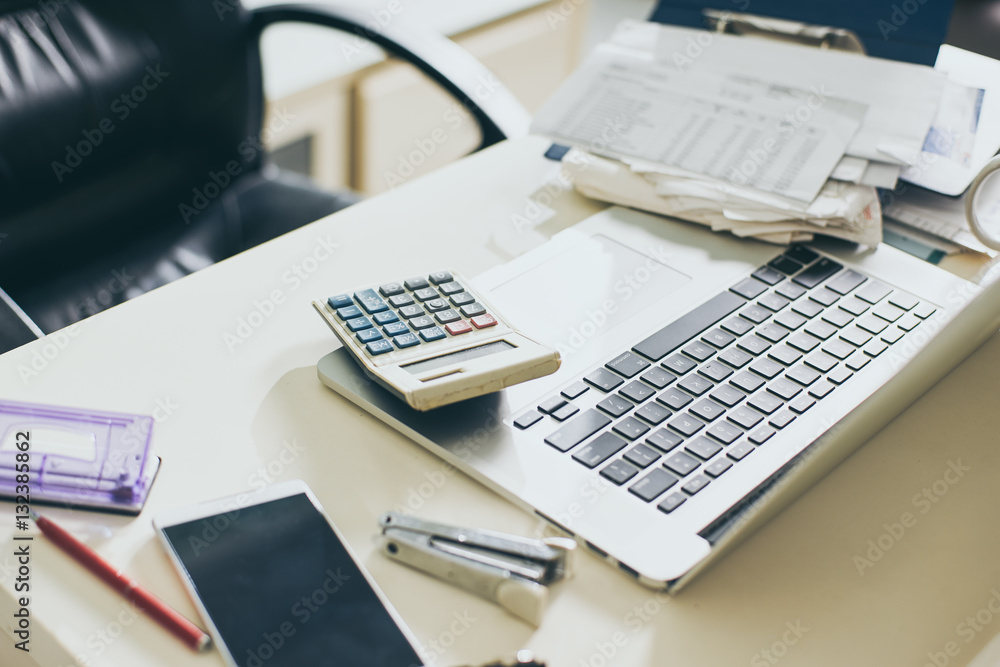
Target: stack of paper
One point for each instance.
(760, 138)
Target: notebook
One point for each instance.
(706, 380)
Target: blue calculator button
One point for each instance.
(395, 328)
(432, 334)
(340, 301)
(368, 335)
(359, 323)
(370, 301)
(406, 340)
(349, 312)
(379, 347)
(385, 318)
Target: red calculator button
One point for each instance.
(459, 327)
(483, 321)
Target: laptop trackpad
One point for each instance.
(584, 292)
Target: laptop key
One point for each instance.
(664, 440)
(839, 349)
(755, 314)
(603, 379)
(735, 358)
(751, 288)
(654, 413)
(717, 467)
(924, 310)
(727, 395)
(740, 451)
(718, 338)
(784, 389)
(821, 389)
(785, 264)
(837, 317)
(888, 312)
(904, 300)
(565, 412)
(630, 428)
(817, 273)
(642, 456)
(873, 292)
(854, 306)
(754, 345)
(686, 425)
(761, 435)
(602, 448)
(694, 485)
(822, 362)
(583, 426)
(801, 404)
(857, 362)
(682, 464)
(908, 322)
(725, 433)
(846, 281)
(715, 371)
(892, 335)
(708, 410)
(747, 382)
(765, 402)
(774, 302)
(679, 364)
(657, 377)
(804, 375)
(745, 417)
(801, 254)
(875, 348)
(767, 368)
(790, 290)
(737, 326)
(681, 330)
(695, 385)
(785, 355)
(872, 324)
(840, 375)
(856, 336)
(674, 399)
(615, 405)
(628, 364)
(528, 419)
(618, 472)
(768, 275)
(699, 351)
(803, 342)
(807, 308)
(550, 405)
(652, 485)
(772, 332)
(671, 502)
(575, 390)
(790, 320)
(820, 329)
(636, 391)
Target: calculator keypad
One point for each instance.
(406, 314)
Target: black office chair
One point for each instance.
(129, 145)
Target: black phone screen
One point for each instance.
(282, 590)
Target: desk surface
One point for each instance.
(231, 398)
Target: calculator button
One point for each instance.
(385, 318)
(439, 277)
(435, 305)
(460, 327)
(370, 301)
(414, 284)
(390, 289)
(426, 294)
(473, 309)
(461, 298)
(422, 322)
(395, 328)
(484, 321)
(432, 334)
(451, 288)
(406, 340)
(348, 312)
(446, 316)
(369, 335)
(400, 300)
(379, 347)
(359, 323)
(411, 311)
(340, 301)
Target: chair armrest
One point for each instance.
(16, 328)
(499, 114)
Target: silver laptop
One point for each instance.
(706, 380)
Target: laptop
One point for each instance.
(706, 380)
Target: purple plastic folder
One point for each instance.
(76, 458)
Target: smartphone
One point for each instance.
(277, 585)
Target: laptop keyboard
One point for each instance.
(684, 405)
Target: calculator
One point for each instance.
(432, 340)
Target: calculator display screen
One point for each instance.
(462, 355)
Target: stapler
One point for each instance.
(512, 571)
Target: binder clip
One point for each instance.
(512, 571)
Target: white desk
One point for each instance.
(233, 410)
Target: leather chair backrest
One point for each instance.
(111, 111)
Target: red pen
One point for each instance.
(145, 601)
